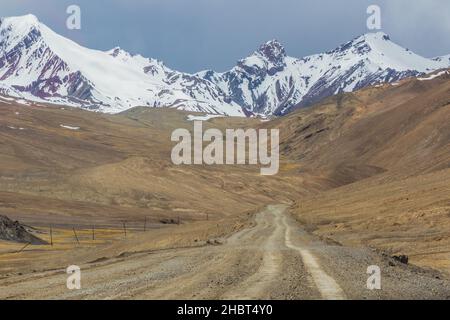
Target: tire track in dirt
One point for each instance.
(274, 259)
(254, 286)
(249, 265)
(327, 286)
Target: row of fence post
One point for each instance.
(124, 226)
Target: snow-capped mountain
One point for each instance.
(38, 64)
(270, 82)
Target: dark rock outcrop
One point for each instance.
(14, 231)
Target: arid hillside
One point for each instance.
(401, 128)
(67, 166)
(385, 152)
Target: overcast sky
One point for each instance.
(192, 35)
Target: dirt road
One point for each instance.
(275, 259)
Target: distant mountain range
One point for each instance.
(39, 65)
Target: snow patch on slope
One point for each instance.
(203, 117)
(444, 61)
(434, 76)
(69, 127)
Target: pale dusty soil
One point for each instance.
(403, 217)
(274, 259)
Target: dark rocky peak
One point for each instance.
(115, 52)
(273, 51)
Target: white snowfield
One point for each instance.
(69, 127)
(43, 66)
(444, 60)
(15, 128)
(202, 117)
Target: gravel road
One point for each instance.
(274, 259)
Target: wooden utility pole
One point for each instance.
(125, 228)
(145, 224)
(93, 233)
(23, 248)
(51, 236)
(75, 233)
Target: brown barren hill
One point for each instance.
(385, 152)
(68, 166)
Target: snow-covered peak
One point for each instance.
(18, 27)
(270, 82)
(372, 38)
(42, 65)
(378, 49)
(273, 51)
(362, 44)
(20, 22)
(14, 29)
(38, 64)
(269, 58)
(137, 60)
